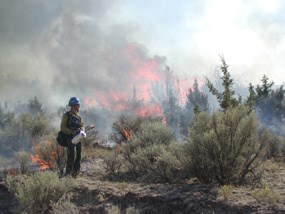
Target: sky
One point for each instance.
(102, 49)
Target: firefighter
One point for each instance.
(71, 125)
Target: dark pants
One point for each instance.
(73, 159)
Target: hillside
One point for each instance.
(94, 194)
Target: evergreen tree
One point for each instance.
(251, 99)
(258, 94)
(265, 89)
(196, 102)
(271, 110)
(171, 108)
(226, 98)
(6, 119)
(134, 103)
(277, 100)
(35, 107)
(197, 99)
(269, 104)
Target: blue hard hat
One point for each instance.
(74, 101)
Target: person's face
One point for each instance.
(75, 108)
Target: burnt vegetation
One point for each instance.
(227, 146)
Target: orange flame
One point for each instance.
(44, 165)
(49, 163)
(143, 73)
(109, 100)
(127, 134)
(149, 110)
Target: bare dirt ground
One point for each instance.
(96, 195)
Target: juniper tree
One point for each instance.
(35, 106)
(251, 99)
(171, 108)
(269, 104)
(196, 102)
(271, 110)
(134, 103)
(226, 98)
(258, 94)
(197, 99)
(265, 89)
(6, 118)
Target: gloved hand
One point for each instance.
(75, 132)
(91, 126)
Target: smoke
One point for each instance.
(55, 50)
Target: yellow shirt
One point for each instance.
(64, 126)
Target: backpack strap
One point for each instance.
(68, 118)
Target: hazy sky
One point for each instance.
(58, 49)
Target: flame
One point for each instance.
(149, 110)
(144, 77)
(142, 74)
(127, 134)
(109, 100)
(44, 165)
(49, 162)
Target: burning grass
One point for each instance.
(49, 156)
(45, 155)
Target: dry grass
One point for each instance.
(267, 195)
(269, 191)
(91, 152)
(226, 191)
(116, 210)
(262, 198)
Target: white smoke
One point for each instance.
(55, 50)
(58, 50)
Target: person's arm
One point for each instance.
(82, 125)
(63, 125)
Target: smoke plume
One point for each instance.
(56, 50)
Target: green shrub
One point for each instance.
(223, 147)
(113, 162)
(37, 125)
(150, 154)
(36, 193)
(130, 123)
(64, 205)
(148, 134)
(23, 159)
(274, 145)
(157, 163)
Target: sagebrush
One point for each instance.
(223, 147)
(35, 193)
